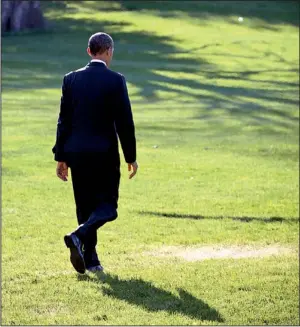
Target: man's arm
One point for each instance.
(124, 123)
(64, 122)
(125, 126)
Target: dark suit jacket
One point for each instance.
(95, 108)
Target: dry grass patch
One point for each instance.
(221, 252)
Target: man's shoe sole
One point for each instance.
(75, 256)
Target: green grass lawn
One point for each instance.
(216, 106)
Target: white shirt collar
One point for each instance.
(98, 60)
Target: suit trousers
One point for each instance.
(95, 179)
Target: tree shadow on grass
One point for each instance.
(200, 217)
(137, 53)
(146, 59)
(151, 298)
(266, 12)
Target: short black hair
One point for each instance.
(100, 42)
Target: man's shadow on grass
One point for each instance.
(152, 298)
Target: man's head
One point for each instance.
(101, 46)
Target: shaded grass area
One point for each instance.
(217, 123)
(242, 219)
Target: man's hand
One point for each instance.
(62, 171)
(134, 167)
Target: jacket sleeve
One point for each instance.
(124, 122)
(64, 122)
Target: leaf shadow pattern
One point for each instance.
(151, 298)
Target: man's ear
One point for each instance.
(88, 50)
(110, 52)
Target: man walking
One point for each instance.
(95, 108)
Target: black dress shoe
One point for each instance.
(91, 258)
(76, 255)
(95, 269)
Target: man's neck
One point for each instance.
(99, 60)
